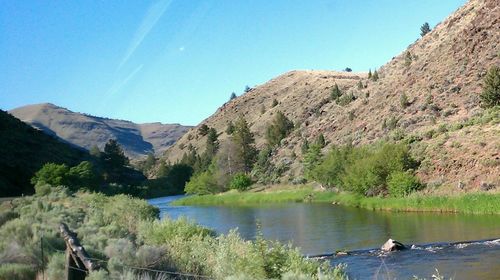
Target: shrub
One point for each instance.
(203, 130)
(335, 93)
(17, 271)
(240, 182)
(275, 102)
(402, 184)
(52, 174)
(490, 96)
(403, 100)
(56, 266)
(202, 183)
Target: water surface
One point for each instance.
(320, 228)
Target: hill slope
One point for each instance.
(87, 131)
(440, 75)
(24, 150)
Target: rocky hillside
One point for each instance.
(429, 93)
(86, 131)
(24, 150)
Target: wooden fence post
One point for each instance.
(78, 263)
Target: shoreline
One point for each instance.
(474, 203)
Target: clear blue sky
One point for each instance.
(177, 61)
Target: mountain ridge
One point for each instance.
(86, 131)
(440, 77)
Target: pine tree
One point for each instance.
(424, 29)
(233, 96)
(320, 141)
(278, 129)
(212, 143)
(369, 73)
(245, 143)
(113, 155)
(336, 93)
(230, 128)
(203, 130)
(375, 75)
(490, 96)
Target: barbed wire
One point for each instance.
(102, 261)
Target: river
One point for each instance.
(322, 228)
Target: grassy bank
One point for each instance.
(124, 235)
(467, 203)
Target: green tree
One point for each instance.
(278, 129)
(203, 130)
(51, 173)
(83, 176)
(113, 155)
(212, 143)
(178, 175)
(202, 183)
(312, 158)
(402, 183)
(240, 181)
(245, 143)
(490, 96)
(403, 100)
(230, 128)
(320, 140)
(275, 102)
(335, 93)
(424, 29)
(233, 96)
(375, 75)
(247, 88)
(369, 73)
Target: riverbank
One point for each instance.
(477, 203)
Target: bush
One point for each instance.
(490, 96)
(52, 174)
(240, 182)
(363, 170)
(402, 184)
(56, 266)
(202, 183)
(17, 271)
(278, 129)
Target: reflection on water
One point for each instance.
(325, 228)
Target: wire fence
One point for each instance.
(159, 272)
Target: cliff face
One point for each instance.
(440, 77)
(86, 131)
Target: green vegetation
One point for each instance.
(416, 202)
(278, 129)
(240, 181)
(403, 100)
(124, 233)
(490, 96)
(203, 130)
(424, 29)
(375, 76)
(24, 151)
(275, 102)
(335, 93)
(233, 96)
(366, 170)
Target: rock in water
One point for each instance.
(392, 245)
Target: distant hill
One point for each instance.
(440, 75)
(85, 131)
(24, 150)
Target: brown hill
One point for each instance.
(440, 75)
(86, 131)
